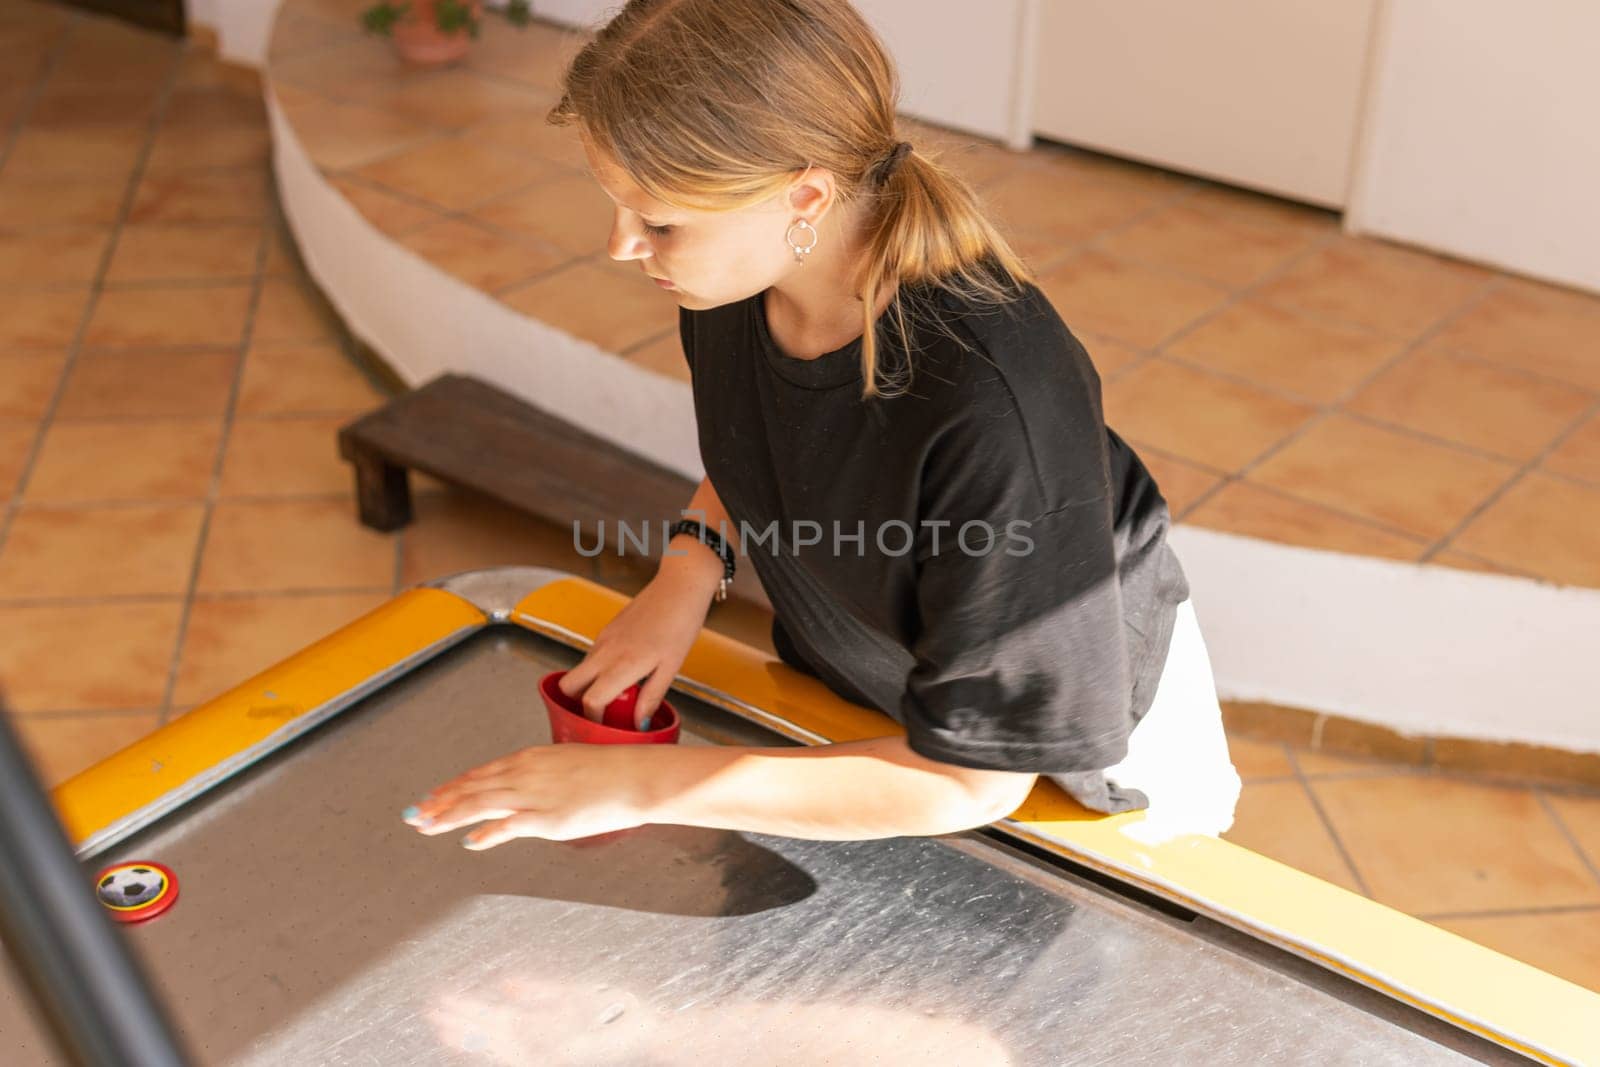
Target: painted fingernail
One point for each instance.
(469, 842)
(645, 725)
(410, 813)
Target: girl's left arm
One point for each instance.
(839, 792)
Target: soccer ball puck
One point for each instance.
(136, 890)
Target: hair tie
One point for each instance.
(892, 163)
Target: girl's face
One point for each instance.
(711, 258)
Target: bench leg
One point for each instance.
(383, 492)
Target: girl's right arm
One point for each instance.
(650, 638)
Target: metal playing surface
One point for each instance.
(314, 927)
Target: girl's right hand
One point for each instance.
(647, 642)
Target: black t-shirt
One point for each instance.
(1011, 596)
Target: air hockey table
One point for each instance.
(314, 927)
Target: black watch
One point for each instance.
(712, 540)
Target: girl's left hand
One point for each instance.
(558, 792)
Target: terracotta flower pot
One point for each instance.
(419, 40)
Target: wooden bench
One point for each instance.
(468, 433)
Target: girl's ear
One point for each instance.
(812, 194)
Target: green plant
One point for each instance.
(450, 16)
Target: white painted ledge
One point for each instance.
(243, 27)
(426, 323)
(1425, 650)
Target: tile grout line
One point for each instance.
(1466, 355)
(465, 214)
(266, 416)
(1231, 297)
(541, 100)
(1443, 774)
(35, 93)
(213, 493)
(118, 599)
(1336, 408)
(130, 503)
(76, 345)
(1169, 270)
(1327, 824)
(1191, 188)
(1167, 454)
(1457, 446)
(170, 170)
(1140, 358)
(1517, 477)
(1235, 298)
(204, 348)
(83, 713)
(434, 134)
(142, 284)
(1311, 244)
(1242, 293)
(1316, 317)
(639, 346)
(1512, 913)
(1183, 515)
(1538, 378)
(315, 50)
(212, 596)
(1188, 188)
(1589, 863)
(1376, 525)
(1321, 417)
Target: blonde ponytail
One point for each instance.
(930, 228)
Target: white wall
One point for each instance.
(1484, 138)
(962, 64)
(1261, 93)
(587, 14)
(243, 27)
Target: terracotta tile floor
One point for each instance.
(170, 383)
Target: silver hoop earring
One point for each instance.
(801, 251)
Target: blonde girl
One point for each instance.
(901, 437)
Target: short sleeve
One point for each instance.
(1020, 658)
